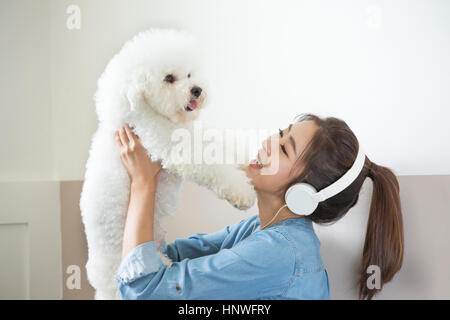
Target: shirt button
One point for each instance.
(178, 287)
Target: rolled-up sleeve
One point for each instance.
(261, 265)
(141, 261)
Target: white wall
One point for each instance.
(382, 66)
(30, 266)
(26, 131)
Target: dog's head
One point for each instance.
(159, 70)
(175, 91)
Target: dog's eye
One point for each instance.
(169, 78)
(189, 75)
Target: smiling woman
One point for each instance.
(238, 263)
(219, 265)
(284, 147)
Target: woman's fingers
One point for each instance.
(123, 137)
(126, 137)
(130, 134)
(117, 137)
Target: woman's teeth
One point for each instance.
(256, 164)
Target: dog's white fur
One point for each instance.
(132, 90)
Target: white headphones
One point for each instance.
(303, 198)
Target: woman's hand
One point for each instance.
(140, 168)
(143, 173)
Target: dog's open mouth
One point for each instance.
(191, 106)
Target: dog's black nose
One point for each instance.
(196, 91)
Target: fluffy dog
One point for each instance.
(152, 84)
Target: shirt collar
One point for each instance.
(289, 221)
(302, 221)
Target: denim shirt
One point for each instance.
(279, 262)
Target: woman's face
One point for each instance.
(271, 170)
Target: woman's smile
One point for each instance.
(261, 160)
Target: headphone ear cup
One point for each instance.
(299, 199)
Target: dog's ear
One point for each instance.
(133, 96)
(135, 92)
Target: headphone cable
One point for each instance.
(279, 210)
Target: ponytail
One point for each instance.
(383, 246)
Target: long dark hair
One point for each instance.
(329, 154)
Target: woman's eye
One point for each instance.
(283, 149)
(169, 78)
(281, 132)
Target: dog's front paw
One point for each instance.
(241, 196)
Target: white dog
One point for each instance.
(152, 84)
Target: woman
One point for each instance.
(281, 259)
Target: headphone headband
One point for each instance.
(344, 181)
(302, 198)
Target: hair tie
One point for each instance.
(371, 172)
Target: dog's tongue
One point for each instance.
(193, 104)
